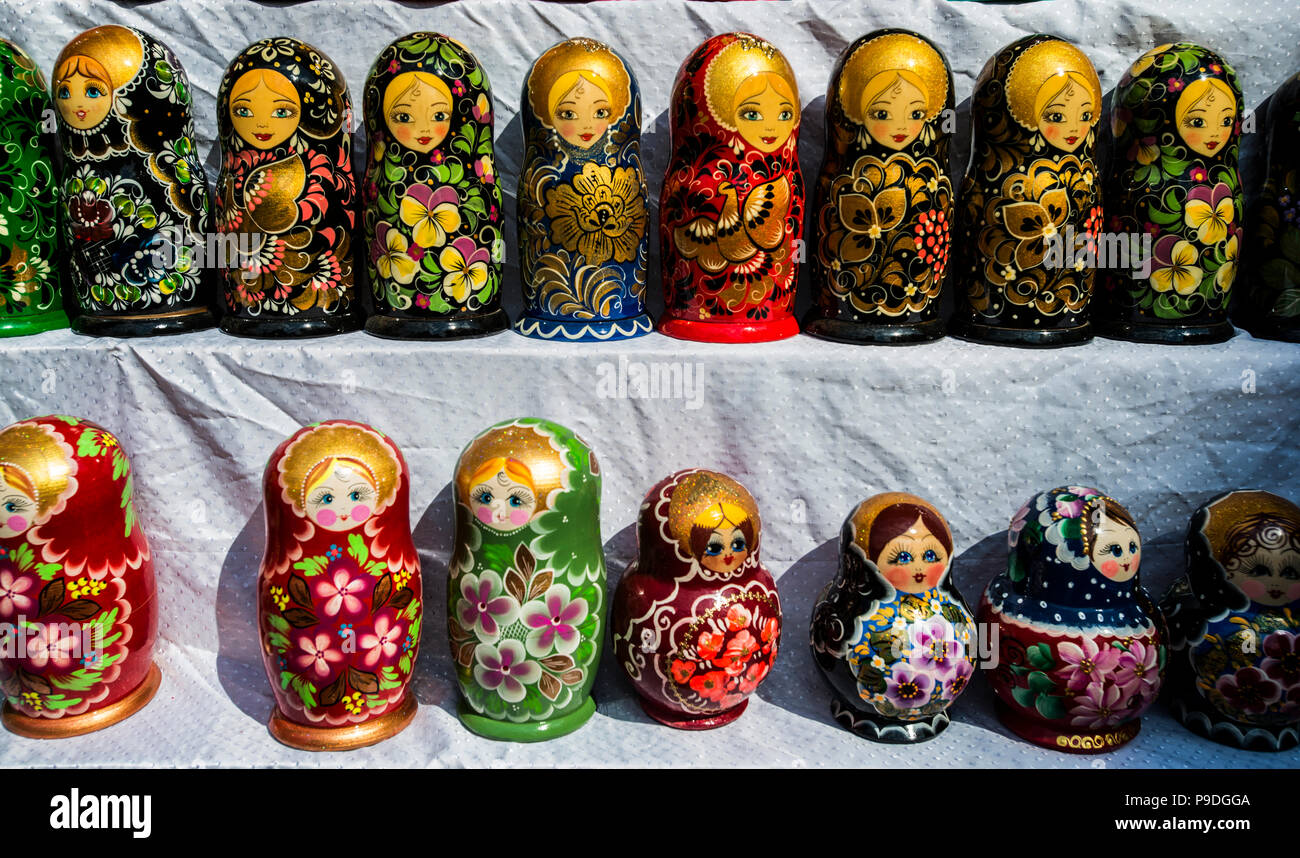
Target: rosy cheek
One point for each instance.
(403, 133)
(519, 517)
(1110, 568)
(1137, 559)
(879, 130)
(440, 129)
(1194, 139)
(1052, 132)
(484, 514)
(360, 512)
(1253, 589)
(17, 522)
(326, 517)
(932, 573)
(1293, 592)
(567, 129)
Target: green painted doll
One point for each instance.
(526, 585)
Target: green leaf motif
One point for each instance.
(88, 443)
(1050, 706)
(310, 566)
(1039, 655)
(357, 548)
(1024, 697)
(1041, 683)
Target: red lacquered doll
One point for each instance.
(76, 581)
(697, 620)
(731, 211)
(338, 598)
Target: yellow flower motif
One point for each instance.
(32, 699)
(1182, 274)
(354, 702)
(1227, 272)
(393, 262)
(432, 216)
(1210, 223)
(463, 275)
(601, 215)
(279, 597)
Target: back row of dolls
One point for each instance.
(146, 246)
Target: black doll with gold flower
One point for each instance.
(884, 198)
(1031, 197)
(582, 197)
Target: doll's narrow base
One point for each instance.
(37, 323)
(145, 326)
(978, 332)
(571, 331)
(460, 328)
(675, 718)
(1065, 739)
(346, 738)
(1196, 716)
(862, 333)
(729, 332)
(877, 729)
(286, 328)
(78, 725)
(1173, 335)
(532, 731)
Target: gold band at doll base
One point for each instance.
(173, 315)
(346, 738)
(77, 725)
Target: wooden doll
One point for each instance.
(1031, 197)
(286, 192)
(583, 238)
(135, 197)
(76, 581)
(890, 632)
(526, 585)
(1272, 307)
(338, 595)
(30, 285)
(884, 198)
(1081, 646)
(1234, 622)
(731, 211)
(697, 620)
(1175, 191)
(433, 202)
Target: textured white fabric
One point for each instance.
(810, 427)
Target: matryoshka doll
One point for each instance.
(1234, 623)
(1272, 305)
(583, 220)
(731, 210)
(1176, 193)
(884, 198)
(1081, 646)
(890, 632)
(30, 292)
(338, 594)
(1031, 198)
(286, 193)
(433, 203)
(76, 581)
(526, 584)
(135, 196)
(697, 620)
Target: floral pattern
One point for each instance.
(1275, 222)
(1248, 667)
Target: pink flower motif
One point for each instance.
(1069, 508)
(458, 87)
(393, 66)
(416, 252)
(484, 170)
(1099, 706)
(422, 301)
(12, 588)
(506, 670)
(1282, 662)
(384, 642)
(554, 621)
(46, 647)
(1138, 669)
(1197, 174)
(1175, 84)
(1249, 690)
(1087, 664)
(341, 593)
(935, 649)
(1017, 524)
(908, 688)
(436, 156)
(317, 654)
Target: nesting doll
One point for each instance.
(526, 584)
(731, 210)
(286, 196)
(135, 196)
(76, 581)
(1175, 192)
(583, 238)
(890, 632)
(1081, 646)
(1272, 308)
(1234, 623)
(697, 620)
(338, 595)
(1031, 197)
(30, 286)
(884, 197)
(433, 203)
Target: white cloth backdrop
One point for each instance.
(810, 427)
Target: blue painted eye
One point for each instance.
(516, 501)
(903, 558)
(1116, 551)
(738, 544)
(64, 92)
(714, 548)
(327, 498)
(1132, 548)
(929, 556)
(484, 497)
(354, 496)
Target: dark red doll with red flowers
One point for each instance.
(697, 620)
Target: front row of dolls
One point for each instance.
(1073, 646)
(1039, 239)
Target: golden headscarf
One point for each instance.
(334, 440)
(695, 494)
(1045, 68)
(594, 60)
(118, 49)
(34, 451)
(915, 59)
(736, 63)
(525, 444)
(1226, 513)
(864, 517)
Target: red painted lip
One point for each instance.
(899, 138)
(769, 140)
(919, 576)
(1211, 144)
(1276, 594)
(586, 137)
(1072, 140)
(730, 560)
(81, 114)
(423, 141)
(262, 137)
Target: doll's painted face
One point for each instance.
(1067, 116)
(264, 108)
(1206, 113)
(895, 114)
(83, 100)
(1117, 549)
(17, 510)
(342, 500)
(417, 110)
(913, 561)
(726, 548)
(1267, 576)
(764, 115)
(582, 114)
(503, 502)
